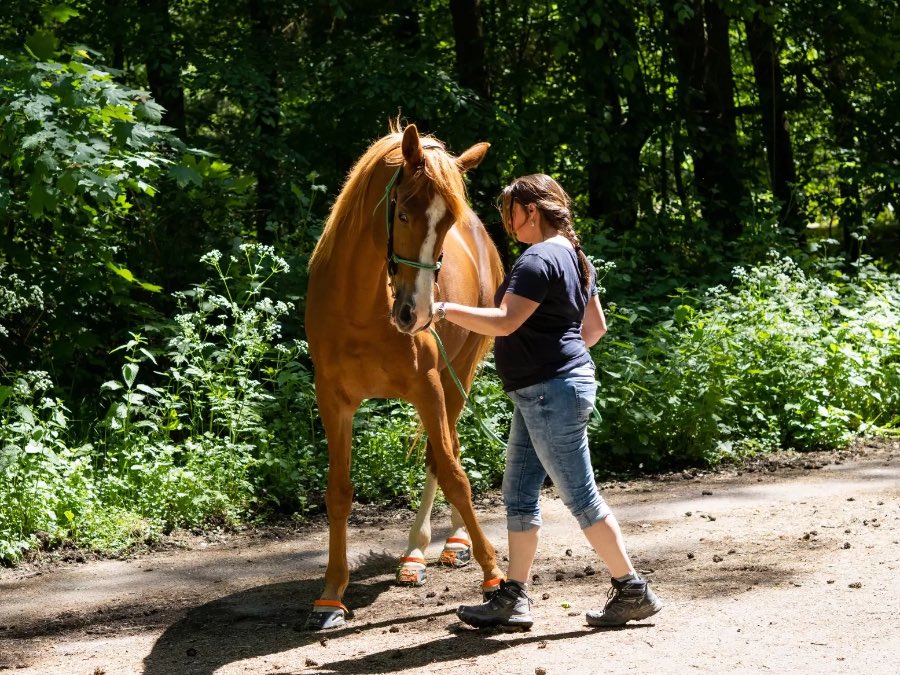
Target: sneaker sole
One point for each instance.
(651, 611)
(478, 622)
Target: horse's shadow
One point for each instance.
(259, 621)
(268, 620)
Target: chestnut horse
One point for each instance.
(401, 216)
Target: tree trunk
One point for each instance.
(706, 93)
(472, 71)
(779, 151)
(614, 140)
(468, 31)
(116, 18)
(844, 129)
(266, 119)
(162, 61)
(407, 26)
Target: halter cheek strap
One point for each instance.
(390, 205)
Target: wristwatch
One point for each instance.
(441, 311)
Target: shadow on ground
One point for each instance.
(259, 621)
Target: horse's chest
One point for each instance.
(368, 366)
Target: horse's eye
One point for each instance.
(403, 217)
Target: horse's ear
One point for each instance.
(412, 146)
(472, 157)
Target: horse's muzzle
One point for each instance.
(408, 316)
(403, 315)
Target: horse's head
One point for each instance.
(425, 198)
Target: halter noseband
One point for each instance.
(393, 259)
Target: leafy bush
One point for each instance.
(83, 159)
(199, 443)
(213, 416)
(45, 486)
(782, 359)
(483, 429)
(214, 423)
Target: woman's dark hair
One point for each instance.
(555, 206)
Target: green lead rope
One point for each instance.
(393, 257)
(484, 427)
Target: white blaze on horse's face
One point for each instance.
(413, 287)
(423, 297)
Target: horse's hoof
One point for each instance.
(411, 576)
(333, 615)
(324, 620)
(456, 557)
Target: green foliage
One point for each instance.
(79, 139)
(212, 422)
(208, 410)
(45, 485)
(81, 159)
(188, 447)
(484, 428)
(782, 359)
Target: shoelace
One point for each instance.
(508, 591)
(611, 596)
(615, 594)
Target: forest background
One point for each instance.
(166, 167)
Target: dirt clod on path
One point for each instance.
(787, 564)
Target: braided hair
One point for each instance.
(554, 204)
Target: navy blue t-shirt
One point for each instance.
(549, 343)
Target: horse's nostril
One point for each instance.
(407, 316)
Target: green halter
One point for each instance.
(390, 205)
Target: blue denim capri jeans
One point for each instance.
(549, 436)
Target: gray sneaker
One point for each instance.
(627, 601)
(509, 606)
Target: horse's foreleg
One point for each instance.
(455, 552)
(454, 482)
(337, 418)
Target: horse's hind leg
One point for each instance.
(337, 418)
(412, 568)
(411, 571)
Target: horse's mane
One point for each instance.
(349, 216)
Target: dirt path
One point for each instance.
(790, 566)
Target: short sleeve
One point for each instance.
(594, 290)
(530, 278)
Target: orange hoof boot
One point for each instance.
(411, 572)
(490, 587)
(456, 557)
(327, 614)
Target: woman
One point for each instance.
(547, 314)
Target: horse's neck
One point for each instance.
(359, 281)
(352, 281)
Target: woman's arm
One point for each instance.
(494, 321)
(593, 327)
